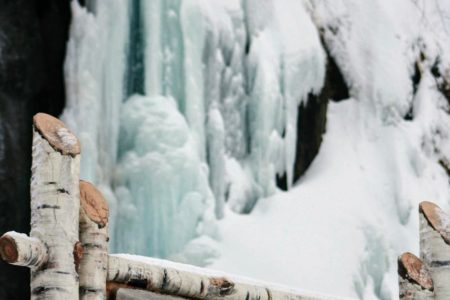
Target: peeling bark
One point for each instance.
(94, 240)
(434, 247)
(20, 250)
(181, 283)
(414, 278)
(55, 207)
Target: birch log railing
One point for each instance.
(428, 277)
(67, 250)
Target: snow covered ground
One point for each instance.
(339, 230)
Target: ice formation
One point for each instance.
(187, 111)
(234, 79)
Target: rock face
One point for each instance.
(33, 36)
(312, 118)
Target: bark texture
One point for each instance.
(94, 241)
(435, 251)
(191, 285)
(55, 207)
(133, 294)
(414, 279)
(20, 250)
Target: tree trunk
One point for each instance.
(414, 279)
(94, 240)
(55, 207)
(166, 278)
(434, 247)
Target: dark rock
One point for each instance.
(311, 121)
(311, 124)
(281, 181)
(33, 36)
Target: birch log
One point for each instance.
(20, 250)
(414, 278)
(120, 291)
(55, 207)
(132, 294)
(192, 285)
(94, 239)
(434, 247)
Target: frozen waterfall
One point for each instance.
(188, 116)
(234, 74)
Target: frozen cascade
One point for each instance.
(94, 72)
(187, 112)
(156, 148)
(235, 80)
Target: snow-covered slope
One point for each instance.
(341, 228)
(217, 121)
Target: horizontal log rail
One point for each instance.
(169, 278)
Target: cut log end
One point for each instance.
(57, 134)
(93, 203)
(439, 220)
(8, 249)
(412, 268)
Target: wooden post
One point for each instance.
(94, 240)
(435, 248)
(55, 207)
(414, 279)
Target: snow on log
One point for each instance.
(434, 247)
(414, 279)
(55, 207)
(166, 278)
(94, 240)
(20, 250)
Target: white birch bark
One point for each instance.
(192, 285)
(434, 247)
(133, 294)
(94, 240)
(55, 207)
(20, 250)
(415, 281)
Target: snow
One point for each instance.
(217, 122)
(343, 225)
(67, 138)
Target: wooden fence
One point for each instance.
(67, 249)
